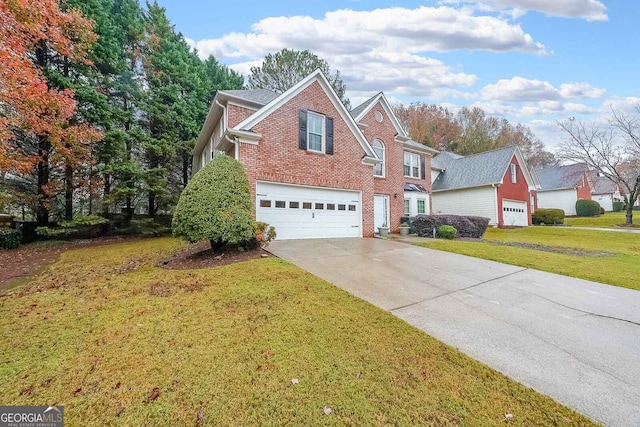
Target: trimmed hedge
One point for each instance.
(216, 205)
(466, 226)
(587, 208)
(617, 206)
(446, 232)
(10, 238)
(548, 216)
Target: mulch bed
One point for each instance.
(201, 256)
(29, 260)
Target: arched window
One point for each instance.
(378, 169)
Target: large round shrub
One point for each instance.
(216, 205)
(587, 208)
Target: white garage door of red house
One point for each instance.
(514, 214)
(299, 212)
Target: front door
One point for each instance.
(380, 211)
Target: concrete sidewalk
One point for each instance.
(574, 340)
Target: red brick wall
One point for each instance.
(277, 157)
(236, 114)
(518, 191)
(584, 192)
(393, 182)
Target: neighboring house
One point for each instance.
(314, 169)
(603, 191)
(562, 186)
(495, 184)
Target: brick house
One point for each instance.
(315, 169)
(496, 184)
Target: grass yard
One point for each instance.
(120, 341)
(608, 220)
(601, 256)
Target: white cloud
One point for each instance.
(580, 90)
(381, 49)
(520, 89)
(590, 10)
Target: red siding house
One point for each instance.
(495, 184)
(315, 169)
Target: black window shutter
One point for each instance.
(422, 171)
(302, 139)
(329, 137)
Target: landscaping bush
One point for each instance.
(263, 233)
(466, 226)
(587, 208)
(617, 206)
(602, 211)
(547, 216)
(80, 227)
(9, 238)
(446, 232)
(216, 205)
(147, 227)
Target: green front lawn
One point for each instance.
(120, 341)
(608, 220)
(601, 256)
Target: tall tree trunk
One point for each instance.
(186, 161)
(68, 192)
(42, 210)
(105, 193)
(152, 204)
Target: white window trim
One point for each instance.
(418, 206)
(412, 155)
(323, 134)
(514, 173)
(384, 159)
(407, 203)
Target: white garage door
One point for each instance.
(309, 212)
(514, 214)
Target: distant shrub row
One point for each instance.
(548, 216)
(466, 226)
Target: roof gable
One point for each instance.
(360, 111)
(316, 76)
(478, 170)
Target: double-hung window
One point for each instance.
(407, 207)
(411, 165)
(315, 132)
(422, 206)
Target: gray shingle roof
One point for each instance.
(360, 108)
(258, 96)
(442, 160)
(560, 177)
(474, 171)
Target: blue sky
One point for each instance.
(531, 61)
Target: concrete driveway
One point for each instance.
(574, 340)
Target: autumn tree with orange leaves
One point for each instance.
(39, 130)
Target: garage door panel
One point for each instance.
(308, 212)
(515, 213)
